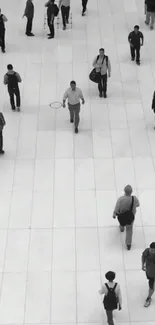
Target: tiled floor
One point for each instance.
(57, 189)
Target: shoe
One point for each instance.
(121, 229)
(105, 95)
(83, 13)
(3, 51)
(146, 22)
(71, 120)
(100, 94)
(64, 27)
(2, 152)
(49, 34)
(128, 247)
(76, 130)
(132, 59)
(13, 108)
(147, 302)
(151, 27)
(18, 109)
(67, 22)
(31, 34)
(138, 62)
(50, 37)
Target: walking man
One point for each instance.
(150, 13)
(84, 7)
(50, 17)
(73, 94)
(65, 9)
(2, 124)
(102, 65)
(112, 296)
(29, 14)
(136, 40)
(11, 79)
(148, 265)
(3, 20)
(126, 203)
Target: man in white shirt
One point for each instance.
(73, 94)
(65, 9)
(3, 20)
(123, 205)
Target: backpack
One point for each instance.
(110, 300)
(12, 80)
(56, 10)
(106, 57)
(127, 217)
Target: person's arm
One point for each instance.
(129, 39)
(136, 202)
(153, 101)
(5, 19)
(5, 79)
(81, 96)
(109, 68)
(26, 10)
(143, 260)
(116, 210)
(47, 3)
(3, 119)
(18, 77)
(142, 39)
(119, 296)
(60, 2)
(65, 96)
(102, 291)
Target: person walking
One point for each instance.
(2, 124)
(84, 7)
(148, 265)
(50, 17)
(112, 296)
(102, 65)
(29, 14)
(73, 94)
(153, 104)
(125, 210)
(136, 40)
(11, 79)
(3, 20)
(65, 9)
(150, 13)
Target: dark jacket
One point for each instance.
(149, 260)
(153, 102)
(135, 38)
(2, 25)
(29, 9)
(150, 5)
(50, 10)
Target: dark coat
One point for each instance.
(153, 102)
(29, 10)
(150, 5)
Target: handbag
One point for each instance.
(95, 76)
(127, 217)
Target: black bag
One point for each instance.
(12, 81)
(2, 121)
(110, 300)
(95, 76)
(56, 10)
(126, 218)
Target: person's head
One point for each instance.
(101, 51)
(152, 248)
(110, 276)
(73, 84)
(136, 29)
(10, 67)
(128, 190)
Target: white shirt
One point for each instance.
(65, 3)
(73, 96)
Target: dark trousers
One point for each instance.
(1, 140)
(84, 5)
(110, 317)
(65, 14)
(136, 50)
(74, 113)
(29, 26)
(16, 92)
(102, 85)
(51, 27)
(2, 37)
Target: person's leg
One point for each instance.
(129, 234)
(121, 228)
(152, 20)
(110, 317)
(147, 20)
(100, 86)
(3, 41)
(104, 84)
(52, 31)
(30, 25)
(138, 54)
(76, 115)
(1, 141)
(17, 93)
(63, 16)
(12, 102)
(27, 27)
(67, 14)
(71, 111)
(84, 6)
(151, 291)
(132, 50)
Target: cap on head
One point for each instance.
(110, 276)
(152, 245)
(72, 82)
(101, 50)
(128, 189)
(136, 27)
(10, 67)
